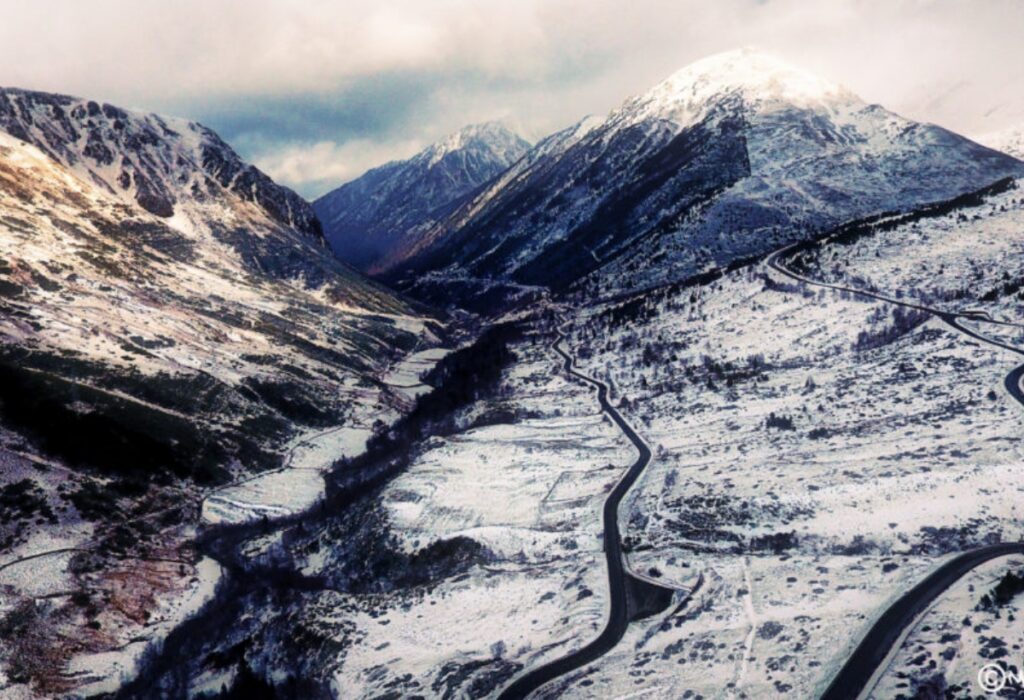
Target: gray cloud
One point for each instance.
(315, 92)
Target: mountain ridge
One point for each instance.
(381, 213)
(726, 158)
(1010, 141)
(220, 264)
(178, 330)
(152, 160)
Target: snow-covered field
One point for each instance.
(959, 635)
(756, 626)
(811, 465)
(406, 377)
(291, 489)
(512, 502)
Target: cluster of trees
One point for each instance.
(903, 321)
(1008, 287)
(776, 542)
(779, 422)
(732, 373)
(462, 377)
(1009, 586)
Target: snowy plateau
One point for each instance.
(716, 396)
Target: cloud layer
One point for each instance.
(317, 91)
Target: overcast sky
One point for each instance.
(315, 92)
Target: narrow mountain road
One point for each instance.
(88, 545)
(953, 319)
(216, 495)
(40, 555)
(619, 580)
(857, 676)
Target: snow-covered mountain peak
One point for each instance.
(727, 158)
(762, 81)
(386, 208)
(492, 137)
(757, 73)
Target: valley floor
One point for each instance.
(522, 481)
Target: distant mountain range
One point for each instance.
(382, 213)
(730, 157)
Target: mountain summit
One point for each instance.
(760, 80)
(488, 142)
(730, 157)
(381, 212)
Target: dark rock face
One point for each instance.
(382, 213)
(222, 164)
(85, 134)
(155, 157)
(658, 177)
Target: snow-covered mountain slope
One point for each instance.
(120, 295)
(727, 158)
(819, 453)
(380, 214)
(155, 161)
(146, 357)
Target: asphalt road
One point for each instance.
(860, 668)
(953, 319)
(874, 648)
(618, 618)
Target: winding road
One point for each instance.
(857, 676)
(619, 579)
